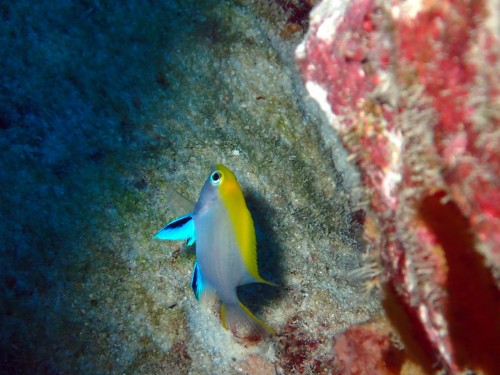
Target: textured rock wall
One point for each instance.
(110, 112)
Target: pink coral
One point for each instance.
(413, 91)
(367, 349)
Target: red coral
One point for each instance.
(300, 351)
(414, 97)
(298, 10)
(364, 350)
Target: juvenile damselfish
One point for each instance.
(226, 254)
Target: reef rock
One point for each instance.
(413, 91)
(112, 115)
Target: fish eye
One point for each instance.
(216, 178)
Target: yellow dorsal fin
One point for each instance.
(232, 196)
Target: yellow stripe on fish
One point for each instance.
(232, 196)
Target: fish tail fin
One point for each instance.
(237, 318)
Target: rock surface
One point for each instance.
(112, 112)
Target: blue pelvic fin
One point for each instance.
(197, 281)
(202, 291)
(179, 229)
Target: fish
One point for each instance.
(226, 250)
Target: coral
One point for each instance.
(301, 350)
(297, 11)
(412, 90)
(367, 349)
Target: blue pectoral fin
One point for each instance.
(179, 229)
